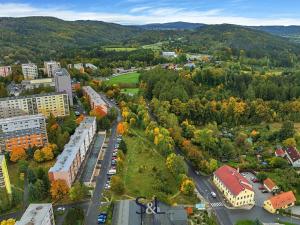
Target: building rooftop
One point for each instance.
(233, 180)
(19, 118)
(96, 98)
(65, 159)
(283, 199)
(62, 72)
(279, 152)
(38, 81)
(293, 154)
(269, 183)
(35, 214)
(32, 96)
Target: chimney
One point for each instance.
(238, 169)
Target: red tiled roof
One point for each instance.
(293, 154)
(279, 152)
(233, 180)
(269, 183)
(282, 199)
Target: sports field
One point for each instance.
(128, 78)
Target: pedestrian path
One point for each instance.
(216, 204)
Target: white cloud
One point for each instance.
(145, 15)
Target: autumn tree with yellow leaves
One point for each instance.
(59, 189)
(17, 153)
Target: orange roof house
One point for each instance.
(281, 201)
(270, 185)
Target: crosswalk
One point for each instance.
(216, 204)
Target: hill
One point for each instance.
(172, 26)
(43, 38)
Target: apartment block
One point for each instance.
(37, 83)
(63, 83)
(95, 100)
(23, 131)
(55, 103)
(30, 71)
(69, 161)
(5, 71)
(4, 176)
(51, 67)
(38, 214)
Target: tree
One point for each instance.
(117, 185)
(8, 222)
(23, 166)
(17, 153)
(187, 187)
(205, 138)
(176, 164)
(59, 189)
(74, 216)
(290, 142)
(278, 162)
(122, 128)
(261, 176)
(123, 146)
(38, 156)
(78, 191)
(287, 130)
(213, 165)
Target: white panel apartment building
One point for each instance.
(95, 99)
(69, 161)
(5, 71)
(55, 103)
(51, 67)
(23, 131)
(38, 214)
(30, 71)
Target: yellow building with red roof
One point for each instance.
(281, 201)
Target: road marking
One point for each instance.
(216, 204)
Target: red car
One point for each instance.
(255, 180)
(261, 188)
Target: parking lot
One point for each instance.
(259, 196)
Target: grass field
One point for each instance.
(155, 47)
(141, 159)
(131, 91)
(120, 49)
(128, 78)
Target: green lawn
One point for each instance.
(132, 91)
(139, 178)
(128, 78)
(120, 49)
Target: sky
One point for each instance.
(242, 12)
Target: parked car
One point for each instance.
(255, 180)
(213, 194)
(61, 209)
(264, 191)
(77, 113)
(261, 188)
(102, 218)
(111, 172)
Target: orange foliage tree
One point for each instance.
(79, 119)
(59, 189)
(17, 153)
(122, 128)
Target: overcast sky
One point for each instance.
(243, 12)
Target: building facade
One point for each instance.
(30, 71)
(55, 103)
(5, 71)
(63, 83)
(281, 201)
(69, 161)
(38, 214)
(51, 67)
(23, 131)
(37, 83)
(4, 176)
(95, 100)
(235, 188)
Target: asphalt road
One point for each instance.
(95, 203)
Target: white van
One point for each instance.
(111, 172)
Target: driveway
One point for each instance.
(259, 196)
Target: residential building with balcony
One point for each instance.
(30, 71)
(23, 131)
(4, 176)
(235, 188)
(37, 214)
(51, 67)
(56, 104)
(5, 71)
(63, 83)
(69, 161)
(95, 100)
